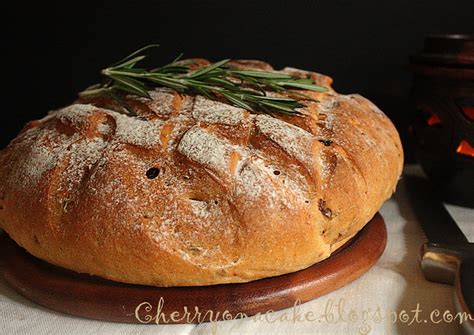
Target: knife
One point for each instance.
(447, 257)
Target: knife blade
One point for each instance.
(447, 257)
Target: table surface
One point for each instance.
(392, 298)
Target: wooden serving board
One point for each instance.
(92, 297)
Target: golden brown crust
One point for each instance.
(237, 196)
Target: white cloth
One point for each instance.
(395, 284)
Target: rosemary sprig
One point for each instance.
(218, 81)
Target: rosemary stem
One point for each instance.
(242, 88)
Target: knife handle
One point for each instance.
(456, 267)
(464, 291)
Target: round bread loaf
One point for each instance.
(194, 191)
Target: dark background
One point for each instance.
(52, 50)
